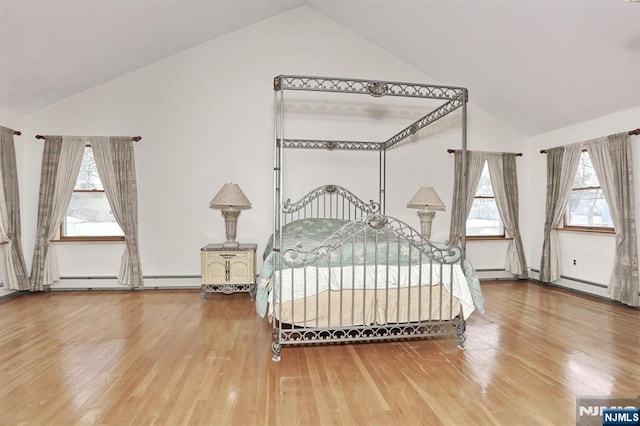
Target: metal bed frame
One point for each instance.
(332, 201)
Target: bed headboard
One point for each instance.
(328, 202)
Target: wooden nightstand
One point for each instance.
(228, 269)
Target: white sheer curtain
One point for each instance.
(60, 166)
(562, 165)
(611, 159)
(116, 167)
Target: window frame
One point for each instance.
(584, 228)
(86, 238)
(502, 236)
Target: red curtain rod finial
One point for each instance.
(635, 132)
(17, 132)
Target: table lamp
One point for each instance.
(230, 199)
(427, 200)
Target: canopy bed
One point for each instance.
(337, 268)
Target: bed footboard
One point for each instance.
(374, 278)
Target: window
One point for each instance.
(484, 220)
(587, 209)
(89, 215)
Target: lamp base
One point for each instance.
(231, 225)
(426, 217)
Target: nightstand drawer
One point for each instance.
(228, 255)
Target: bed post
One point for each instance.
(382, 173)
(276, 167)
(277, 196)
(463, 225)
(461, 327)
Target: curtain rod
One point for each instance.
(134, 138)
(631, 133)
(517, 154)
(17, 132)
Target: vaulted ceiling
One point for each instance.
(537, 65)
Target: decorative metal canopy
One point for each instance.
(453, 97)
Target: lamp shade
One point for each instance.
(426, 197)
(230, 195)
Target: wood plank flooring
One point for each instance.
(166, 357)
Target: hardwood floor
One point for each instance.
(166, 357)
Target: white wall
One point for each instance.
(11, 119)
(206, 118)
(594, 253)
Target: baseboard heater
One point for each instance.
(577, 280)
(113, 277)
(107, 286)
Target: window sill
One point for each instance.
(491, 238)
(588, 231)
(88, 241)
